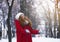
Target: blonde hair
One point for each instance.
(23, 20)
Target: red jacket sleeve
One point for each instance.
(18, 27)
(33, 31)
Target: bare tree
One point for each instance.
(58, 10)
(48, 17)
(8, 19)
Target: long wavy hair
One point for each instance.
(23, 20)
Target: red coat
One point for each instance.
(22, 36)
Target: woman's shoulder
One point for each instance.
(16, 20)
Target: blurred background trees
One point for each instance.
(43, 13)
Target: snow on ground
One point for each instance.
(36, 39)
(43, 39)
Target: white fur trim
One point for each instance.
(17, 16)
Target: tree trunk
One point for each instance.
(58, 34)
(8, 24)
(50, 27)
(55, 25)
(55, 17)
(23, 6)
(8, 20)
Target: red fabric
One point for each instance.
(22, 36)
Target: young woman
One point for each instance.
(24, 28)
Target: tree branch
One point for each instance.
(12, 3)
(7, 2)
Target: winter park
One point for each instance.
(29, 20)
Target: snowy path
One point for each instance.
(36, 39)
(42, 39)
